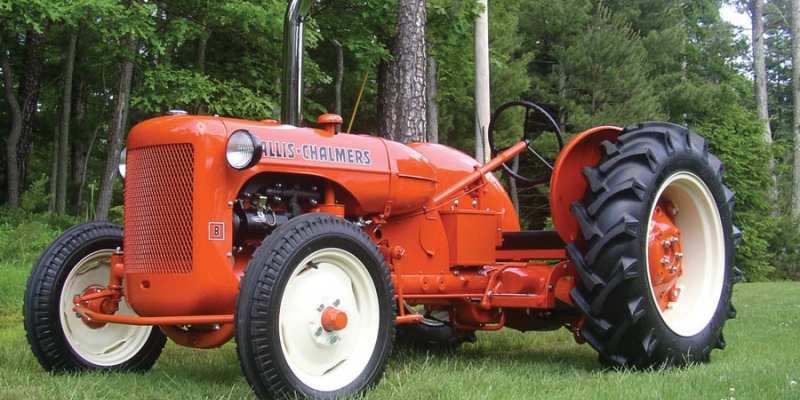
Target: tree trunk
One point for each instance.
(51, 188)
(759, 66)
(760, 82)
(388, 93)
(337, 83)
(432, 88)
(63, 137)
(795, 21)
(29, 87)
(403, 109)
(116, 131)
(84, 169)
(200, 60)
(482, 96)
(13, 176)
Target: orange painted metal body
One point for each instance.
(445, 224)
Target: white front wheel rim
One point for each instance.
(110, 344)
(329, 360)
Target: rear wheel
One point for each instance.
(316, 313)
(656, 264)
(78, 262)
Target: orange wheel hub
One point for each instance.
(333, 319)
(99, 305)
(665, 253)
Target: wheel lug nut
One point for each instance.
(673, 269)
(319, 331)
(665, 261)
(336, 303)
(321, 307)
(666, 243)
(679, 255)
(334, 339)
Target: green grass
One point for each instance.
(762, 358)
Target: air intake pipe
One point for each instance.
(292, 84)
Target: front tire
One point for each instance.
(316, 313)
(656, 265)
(77, 261)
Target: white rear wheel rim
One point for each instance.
(703, 246)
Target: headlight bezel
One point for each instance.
(243, 150)
(123, 160)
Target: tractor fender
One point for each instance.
(568, 184)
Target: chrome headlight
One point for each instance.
(243, 150)
(123, 158)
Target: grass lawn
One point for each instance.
(760, 362)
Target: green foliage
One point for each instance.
(24, 235)
(734, 136)
(590, 65)
(785, 248)
(26, 231)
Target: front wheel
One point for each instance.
(78, 261)
(315, 316)
(656, 263)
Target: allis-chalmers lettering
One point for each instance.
(312, 152)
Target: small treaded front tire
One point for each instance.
(315, 316)
(656, 263)
(78, 260)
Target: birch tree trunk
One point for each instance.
(759, 66)
(482, 97)
(760, 82)
(795, 23)
(432, 88)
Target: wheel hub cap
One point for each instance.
(333, 319)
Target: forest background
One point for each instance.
(77, 75)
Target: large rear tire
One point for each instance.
(316, 313)
(656, 265)
(77, 261)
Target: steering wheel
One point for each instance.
(528, 135)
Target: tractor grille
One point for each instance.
(158, 209)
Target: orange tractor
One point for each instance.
(315, 249)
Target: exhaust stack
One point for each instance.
(292, 84)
